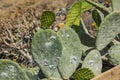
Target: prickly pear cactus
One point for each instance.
(47, 19)
(114, 54)
(93, 61)
(46, 50)
(83, 74)
(72, 52)
(11, 71)
(108, 30)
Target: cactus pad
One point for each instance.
(108, 30)
(116, 5)
(114, 54)
(47, 49)
(93, 61)
(11, 71)
(72, 52)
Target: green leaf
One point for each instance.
(73, 14)
(77, 21)
(96, 17)
(83, 74)
(116, 5)
(85, 6)
(108, 30)
(86, 39)
(47, 19)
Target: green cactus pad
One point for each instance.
(116, 5)
(93, 61)
(46, 50)
(47, 19)
(108, 30)
(83, 74)
(10, 70)
(114, 54)
(72, 52)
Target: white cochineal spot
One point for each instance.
(96, 56)
(91, 62)
(73, 59)
(52, 38)
(67, 35)
(48, 44)
(52, 67)
(11, 68)
(4, 75)
(50, 41)
(97, 68)
(57, 59)
(46, 62)
(62, 35)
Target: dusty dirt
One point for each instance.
(8, 8)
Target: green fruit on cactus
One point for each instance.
(47, 19)
(46, 50)
(108, 30)
(71, 53)
(10, 70)
(83, 74)
(114, 54)
(93, 61)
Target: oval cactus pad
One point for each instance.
(114, 54)
(93, 61)
(72, 51)
(108, 30)
(46, 50)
